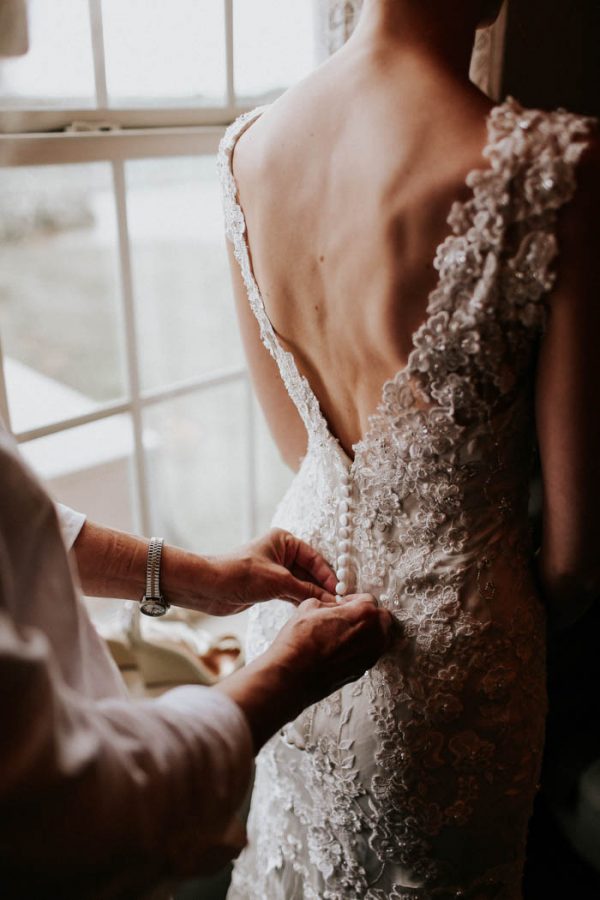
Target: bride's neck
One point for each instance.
(439, 34)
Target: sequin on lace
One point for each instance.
(417, 781)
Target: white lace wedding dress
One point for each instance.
(417, 781)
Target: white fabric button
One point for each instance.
(345, 545)
(344, 506)
(345, 532)
(342, 574)
(341, 588)
(345, 558)
(344, 520)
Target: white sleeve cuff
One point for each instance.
(207, 705)
(71, 523)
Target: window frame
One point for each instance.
(116, 148)
(42, 136)
(25, 119)
(36, 137)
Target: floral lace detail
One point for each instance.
(416, 782)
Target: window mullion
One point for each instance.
(97, 32)
(4, 410)
(204, 382)
(131, 347)
(53, 149)
(98, 414)
(229, 59)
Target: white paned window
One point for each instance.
(58, 70)
(121, 370)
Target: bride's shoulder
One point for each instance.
(551, 157)
(270, 140)
(533, 131)
(250, 144)
(568, 145)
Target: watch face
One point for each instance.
(151, 606)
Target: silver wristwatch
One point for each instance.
(153, 603)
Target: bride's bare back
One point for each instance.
(347, 183)
(418, 781)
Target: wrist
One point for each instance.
(292, 672)
(187, 579)
(110, 563)
(217, 585)
(267, 693)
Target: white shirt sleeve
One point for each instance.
(113, 793)
(99, 795)
(71, 523)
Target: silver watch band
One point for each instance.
(153, 603)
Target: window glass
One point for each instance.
(274, 43)
(273, 477)
(58, 70)
(185, 318)
(90, 469)
(59, 291)
(164, 53)
(198, 468)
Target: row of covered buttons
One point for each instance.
(343, 560)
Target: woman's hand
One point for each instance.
(319, 649)
(113, 564)
(277, 565)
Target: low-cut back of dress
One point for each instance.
(417, 781)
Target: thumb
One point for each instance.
(298, 590)
(358, 599)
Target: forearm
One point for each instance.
(318, 650)
(119, 787)
(113, 564)
(268, 693)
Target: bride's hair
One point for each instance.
(484, 12)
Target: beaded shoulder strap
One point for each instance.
(236, 231)
(506, 231)
(497, 266)
(545, 148)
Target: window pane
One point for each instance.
(184, 306)
(172, 52)
(272, 475)
(58, 70)
(274, 46)
(59, 291)
(198, 468)
(89, 468)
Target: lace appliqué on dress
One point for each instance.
(417, 781)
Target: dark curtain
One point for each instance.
(552, 54)
(552, 58)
